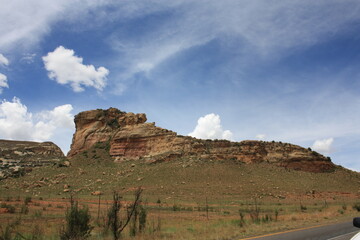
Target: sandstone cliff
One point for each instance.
(130, 137)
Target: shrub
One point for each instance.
(142, 219)
(6, 234)
(77, 223)
(176, 208)
(344, 207)
(114, 222)
(27, 200)
(356, 206)
(303, 208)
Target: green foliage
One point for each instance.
(242, 220)
(356, 206)
(27, 200)
(276, 214)
(176, 208)
(7, 233)
(114, 221)
(77, 223)
(113, 123)
(142, 219)
(344, 207)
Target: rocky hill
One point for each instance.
(127, 136)
(18, 156)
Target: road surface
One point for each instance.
(338, 231)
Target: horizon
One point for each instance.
(237, 70)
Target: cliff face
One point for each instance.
(131, 138)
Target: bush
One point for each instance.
(176, 208)
(356, 206)
(27, 200)
(77, 223)
(142, 219)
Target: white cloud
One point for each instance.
(17, 123)
(260, 136)
(24, 23)
(261, 28)
(3, 82)
(209, 127)
(3, 60)
(66, 68)
(323, 146)
(28, 58)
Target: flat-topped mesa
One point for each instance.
(131, 138)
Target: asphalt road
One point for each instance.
(339, 231)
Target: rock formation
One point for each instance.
(16, 157)
(130, 137)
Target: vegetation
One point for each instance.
(115, 223)
(77, 223)
(229, 212)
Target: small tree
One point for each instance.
(114, 221)
(77, 223)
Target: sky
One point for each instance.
(268, 70)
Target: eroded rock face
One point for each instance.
(29, 151)
(130, 137)
(18, 157)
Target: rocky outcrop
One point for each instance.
(17, 157)
(130, 137)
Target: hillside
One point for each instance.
(16, 157)
(193, 189)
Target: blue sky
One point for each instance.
(273, 70)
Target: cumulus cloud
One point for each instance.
(323, 146)
(17, 123)
(209, 127)
(261, 136)
(67, 68)
(3, 60)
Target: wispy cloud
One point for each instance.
(267, 29)
(3, 60)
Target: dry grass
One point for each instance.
(300, 198)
